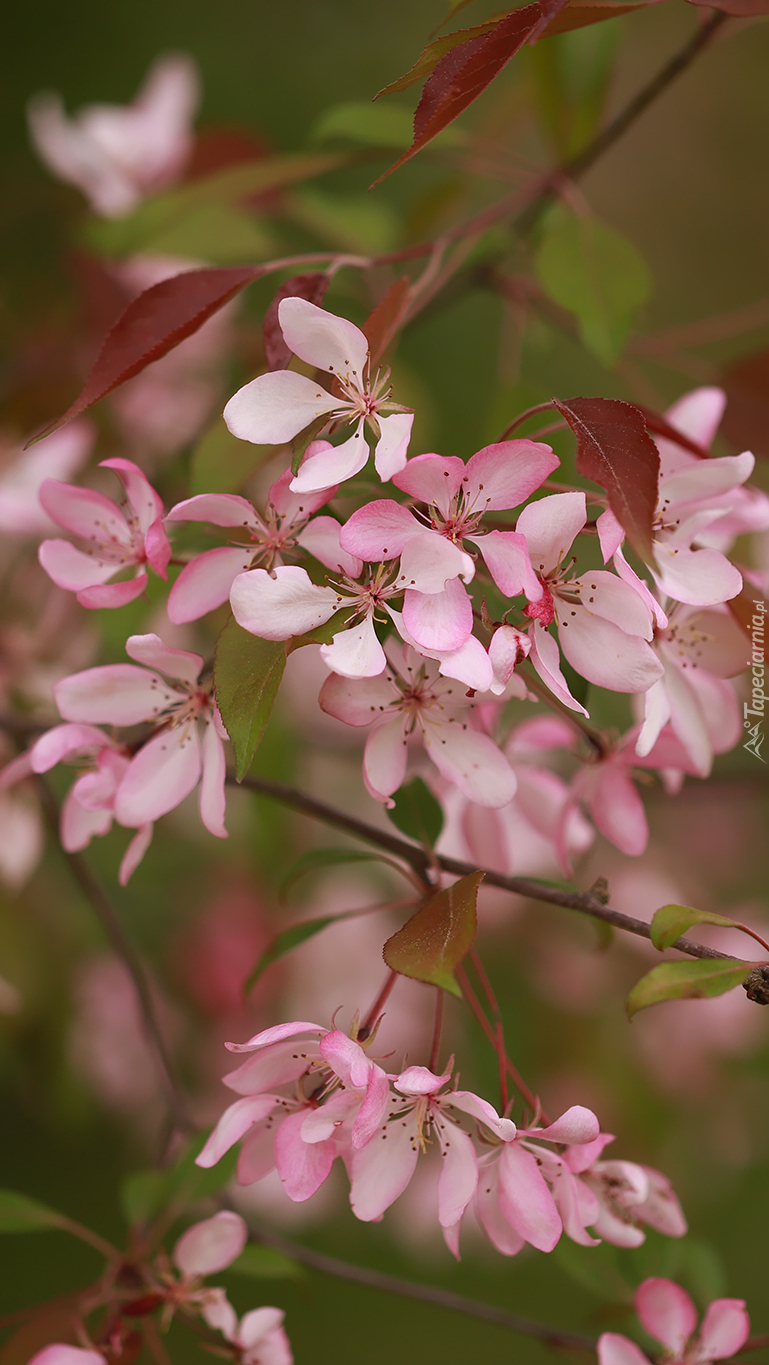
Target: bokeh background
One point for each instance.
(684, 1088)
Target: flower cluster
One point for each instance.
(667, 1313)
(310, 1095)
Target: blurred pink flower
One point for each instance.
(57, 457)
(667, 1313)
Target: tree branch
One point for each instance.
(421, 861)
(427, 1293)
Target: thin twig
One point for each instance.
(121, 944)
(435, 1046)
(377, 1007)
(427, 1293)
(582, 901)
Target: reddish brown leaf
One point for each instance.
(433, 942)
(582, 13)
(615, 450)
(746, 420)
(312, 287)
(465, 72)
(429, 58)
(381, 325)
(153, 324)
(744, 9)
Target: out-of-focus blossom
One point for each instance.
(667, 1313)
(116, 538)
(259, 1337)
(430, 549)
(275, 407)
(117, 154)
(629, 1196)
(256, 541)
(187, 744)
(57, 457)
(409, 698)
(603, 624)
(22, 838)
(58, 1353)
(210, 1246)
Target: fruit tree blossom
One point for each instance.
(667, 1313)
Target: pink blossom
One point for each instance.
(627, 1196)
(57, 457)
(411, 697)
(430, 546)
(116, 538)
(667, 1313)
(210, 1246)
(603, 623)
(187, 744)
(273, 408)
(117, 154)
(259, 1336)
(420, 1111)
(205, 583)
(59, 1353)
(305, 1102)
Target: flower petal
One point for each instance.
(113, 594)
(700, 577)
(618, 810)
(550, 526)
(175, 663)
(320, 538)
(391, 449)
(283, 604)
(724, 1331)
(666, 1312)
(355, 652)
(459, 1175)
(134, 853)
(219, 509)
(276, 1034)
(576, 1125)
(380, 1171)
(295, 506)
(484, 1112)
(525, 1199)
(333, 465)
(433, 479)
(605, 654)
(115, 694)
(279, 1064)
(357, 702)
(234, 1122)
(205, 583)
(499, 1232)
(63, 741)
(58, 1353)
(86, 513)
(439, 620)
(302, 1166)
(161, 774)
(610, 534)
(322, 339)
(506, 555)
(384, 759)
(616, 1350)
(211, 1245)
(373, 1109)
(145, 502)
(212, 800)
(472, 761)
(380, 530)
(546, 659)
(604, 594)
(71, 569)
(429, 561)
(78, 825)
(506, 474)
(273, 408)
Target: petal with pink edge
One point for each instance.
(157, 548)
(85, 513)
(666, 1312)
(115, 694)
(257, 1155)
(391, 450)
(384, 759)
(419, 1080)
(699, 577)
(724, 1331)
(211, 1245)
(275, 407)
(153, 653)
(439, 620)
(433, 479)
(302, 1166)
(610, 534)
(550, 526)
(134, 853)
(279, 1064)
(605, 654)
(380, 1171)
(62, 742)
(616, 1350)
(506, 474)
(322, 339)
(355, 652)
(618, 810)
(276, 1034)
(297, 506)
(235, 1121)
(113, 594)
(472, 761)
(499, 1232)
(320, 538)
(258, 1324)
(484, 1112)
(334, 465)
(144, 501)
(546, 658)
(58, 1353)
(78, 825)
(576, 1125)
(219, 509)
(469, 664)
(283, 604)
(212, 801)
(161, 774)
(508, 646)
(459, 1174)
(429, 561)
(380, 530)
(346, 1058)
(357, 702)
(205, 583)
(525, 1199)
(507, 559)
(604, 594)
(71, 569)
(373, 1109)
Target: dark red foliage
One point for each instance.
(382, 324)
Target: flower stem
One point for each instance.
(437, 1026)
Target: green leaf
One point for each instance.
(377, 125)
(247, 674)
(588, 268)
(671, 921)
(220, 462)
(164, 212)
(417, 813)
(434, 941)
(699, 980)
(144, 1195)
(264, 1263)
(316, 858)
(19, 1213)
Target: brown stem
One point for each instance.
(437, 1026)
(493, 1036)
(582, 901)
(377, 1007)
(115, 933)
(428, 1293)
(499, 1029)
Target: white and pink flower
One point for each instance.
(275, 407)
(667, 1313)
(115, 538)
(59, 456)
